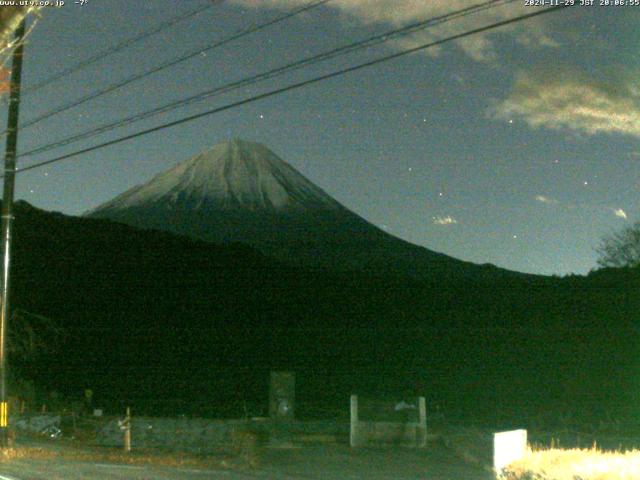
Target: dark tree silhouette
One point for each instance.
(621, 249)
(32, 335)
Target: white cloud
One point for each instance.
(448, 220)
(569, 100)
(546, 41)
(544, 199)
(620, 213)
(540, 40)
(396, 14)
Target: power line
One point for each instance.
(248, 81)
(119, 46)
(296, 86)
(171, 63)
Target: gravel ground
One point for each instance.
(329, 462)
(336, 462)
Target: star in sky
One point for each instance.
(563, 106)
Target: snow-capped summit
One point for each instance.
(240, 191)
(231, 175)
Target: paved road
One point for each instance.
(312, 463)
(70, 470)
(343, 463)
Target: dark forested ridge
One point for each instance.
(173, 325)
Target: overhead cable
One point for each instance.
(118, 47)
(270, 74)
(295, 86)
(171, 63)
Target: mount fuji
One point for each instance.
(240, 191)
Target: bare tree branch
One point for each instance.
(622, 249)
(10, 18)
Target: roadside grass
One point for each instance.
(610, 456)
(16, 453)
(242, 453)
(575, 464)
(67, 452)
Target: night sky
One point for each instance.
(518, 147)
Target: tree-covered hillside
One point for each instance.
(172, 325)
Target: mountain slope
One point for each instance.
(237, 175)
(172, 325)
(242, 192)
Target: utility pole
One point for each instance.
(7, 221)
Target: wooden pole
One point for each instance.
(7, 221)
(127, 431)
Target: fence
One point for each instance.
(379, 422)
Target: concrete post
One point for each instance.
(353, 440)
(508, 447)
(422, 423)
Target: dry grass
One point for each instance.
(241, 456)
(15, 453)
(243, 451)
(109, 456)
(575, 464)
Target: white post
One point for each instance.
(508, 447)
(354, 421)
(127, 431)
(422, 422)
